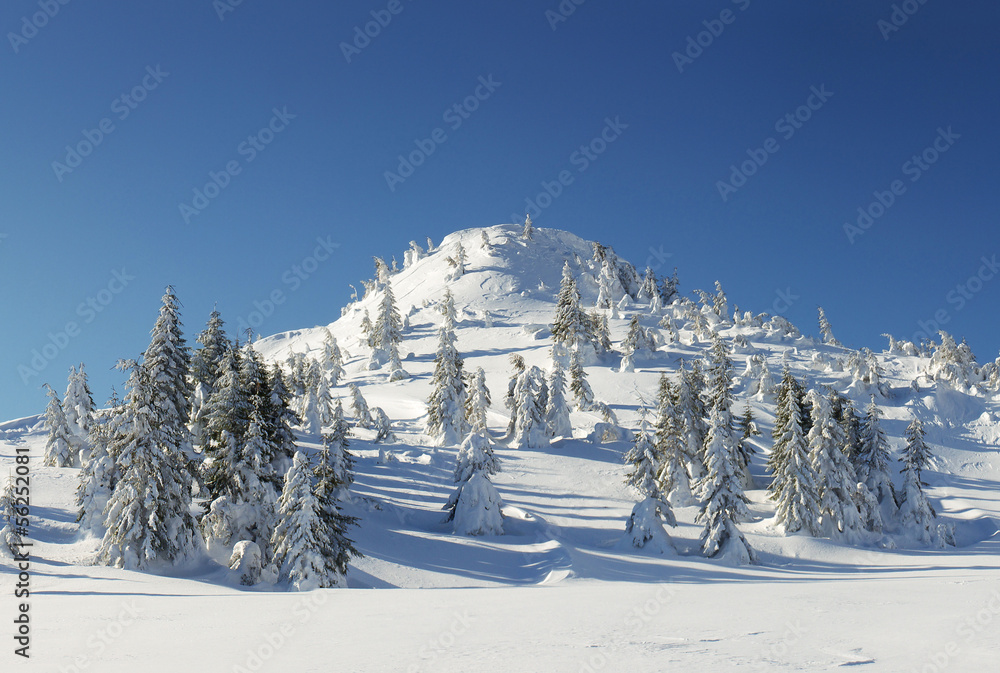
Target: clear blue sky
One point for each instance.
(208, 84)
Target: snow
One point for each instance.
(557, 591)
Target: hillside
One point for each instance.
(559, 591)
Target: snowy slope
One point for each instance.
(557, 592)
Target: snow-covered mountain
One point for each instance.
(564, 592)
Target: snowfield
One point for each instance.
(558, 591)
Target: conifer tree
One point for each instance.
(834, 474)
(477, 401)
(228, 415)
(557, 419)
(691, 414)
(368, 330)
(782, 432)
(825, 330)
(302, 540)
(359, 406)
(582, 392)
(168, 363)
(724, 501)
(446, 406)
(571, 328)
(475, 506)
(333, 359)
(333, 476)
(650, 286)
(794, 485)
(915, 512)
(529, 230)
(148, 517)
(98, 476)
(59, 446)
(720, 305)
(335, 456)
(517, 363)
(78, 404)
(643, 459)
(207, 360)
(458, 262)
(744, 450)
(530, 428)
(278, 419)
(673, 478)
(873, 457)
(387, 332)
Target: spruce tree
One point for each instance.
(530, 430)
(359, 405)
(571, 328)
(915, 512)
(333, 359)
(333, 478)
(228, 417)
(446, 421)
(335, 454)
(825, 330)
(529, 230)
(387, 332)
(98, 476)
(557, 419)
(643, 459)
(745, 451)
(673, 478)
(872, 462)
(477, 401)
(691, 413)
(834, 474)
(168, 363)
(206, 362)
(148, 518)
(582, 392)
(517, 363)
(794, 486)
(60, 444)
(722, 492)
(78, 404)
(782, 433)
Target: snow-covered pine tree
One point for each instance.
(301, 540)
(673, 479)
(835, 475)
(278, 419)
(530, 430)
(793, 486)
(477, 401)
(643, 458)
(335, 455)
(744, 450)
(59, 446)
(458, 262)
(367, 330)
(724, 501)
(517, 363)
(333, 359)
(207, 360)
(872, 463)
(98, 476)
(148, 517)
(582, 392)
(602, 334)
(475, 455)
(333, 476)
(782, 433)
(571, 328)
(528, 232)
(644, 528)
(691, 414)
(446, 421)
(720, 305)
(227, 418)
(387, 332)
(78, 405)
(915, 512)
(557, 421)
(825, 330)
(478, 508)
(650, 286)
(168, 362)
(359, 406)
(382, 426)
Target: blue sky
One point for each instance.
(300, 132)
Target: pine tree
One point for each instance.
(278, 419)
(301, 540)
(650, 286)
(382, 426)
(333, 359)
(458, 262)
(335, 454)
(359, 406)
(477, 401)
(834, 474)
(368, 330)
(915, 512)
(557, 419)
(872, 463)
(724, 501)
(517, 362)
(825, 330)
(530, 429)
(78, 404)
(691, 414)
(745, 451)
(571, 328)
(98, 476)
(643, 459)
(446, 406)
(168, 363)
(475, 455)
(59, 446)
(673, 479)
(206, 362)
(783, 433)
(228, 416)
(387, 332)
(475, 506)
(794, 486)
(720, 305)
(333, 478)
(529, 230)
(148, 517)
(582, 392)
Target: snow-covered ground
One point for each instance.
(557, 592)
